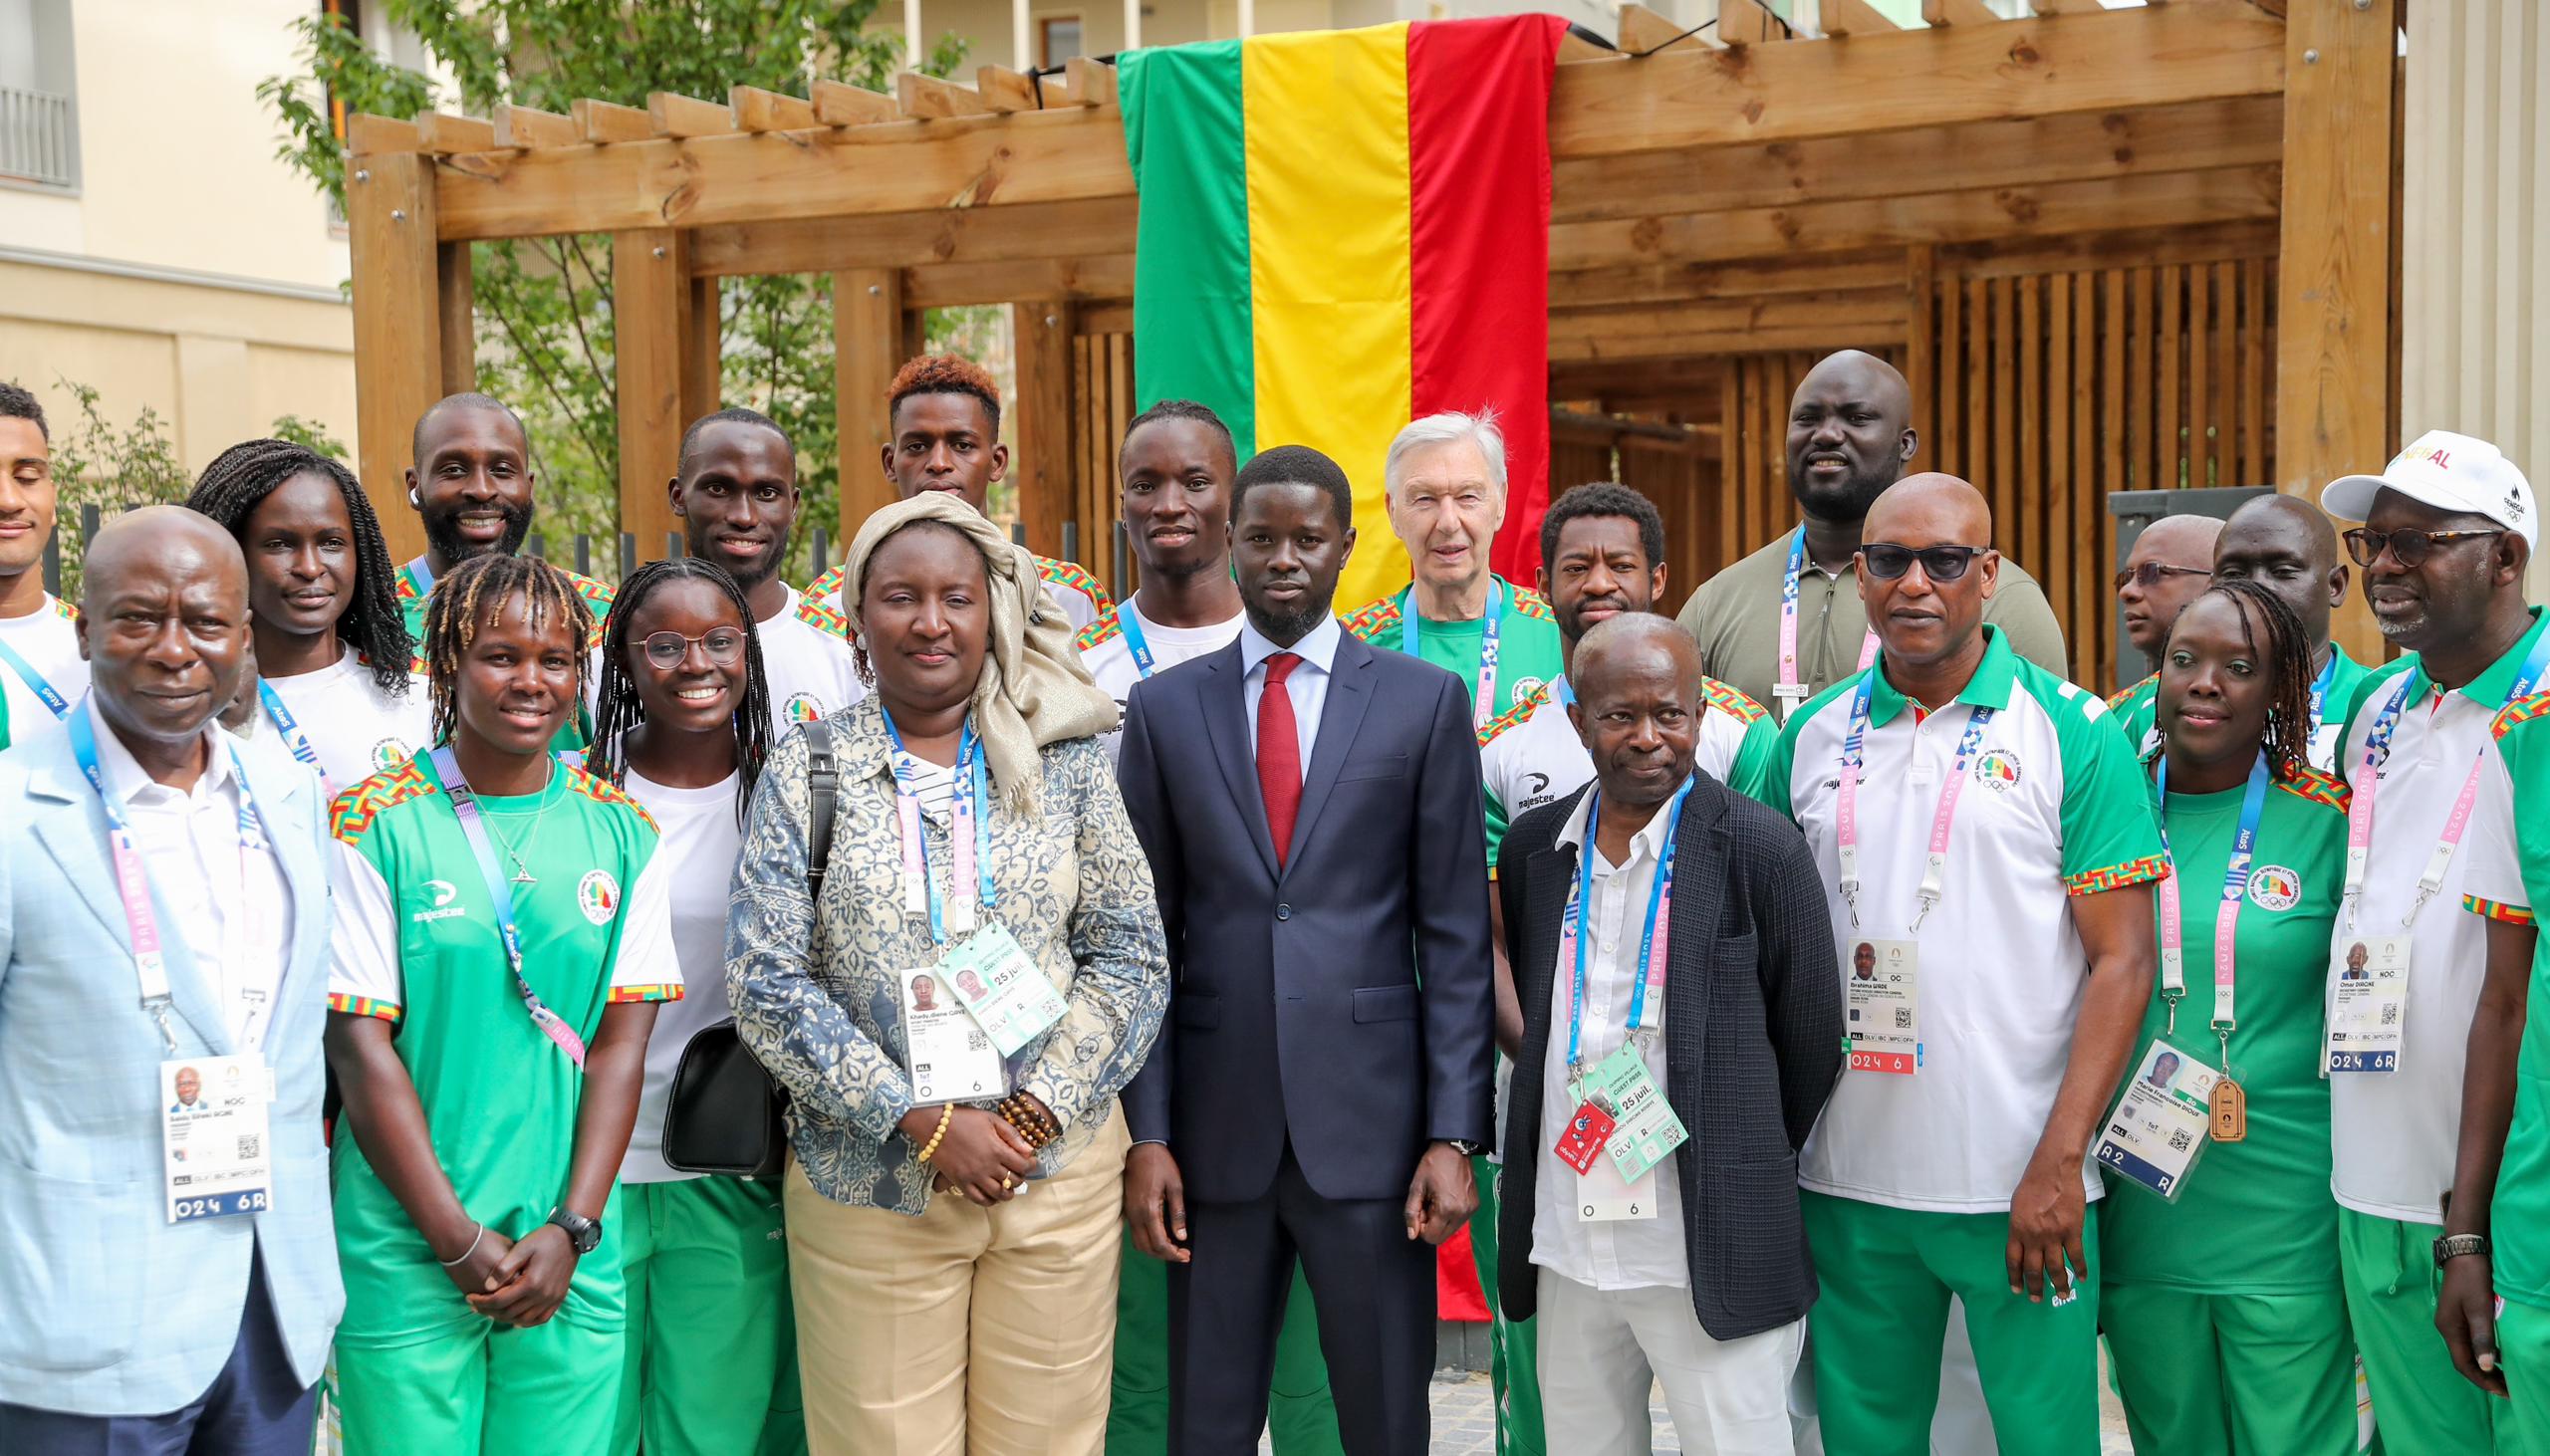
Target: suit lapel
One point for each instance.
(1340, 718)
(1225, 702)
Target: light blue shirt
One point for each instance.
(1306, 686)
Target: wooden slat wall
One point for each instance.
(1102, 402)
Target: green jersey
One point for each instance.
(416, 943)
(1528, 657)
(2266, 1196)
(2507, 877)
(413, 589)
(2138, 710)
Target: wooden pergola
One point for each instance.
(2111, 249)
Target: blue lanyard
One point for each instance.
(1142, 648)
(1483, 691)
(464, 805)
(45, 691)
(970, 826)
(422, 574)
(1566, 693)
(1659, 896)
(293, 737)
(2320, 689)
(2376, 743)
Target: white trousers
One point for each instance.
(1601, 1350)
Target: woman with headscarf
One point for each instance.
(952, 1204)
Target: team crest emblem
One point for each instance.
(1997, 770)
(802, 708)
(1524, 688)
(2275, 887)
(389, 754)
(598, 896)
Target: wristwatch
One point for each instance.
(581, 1232)
(2453, 1246)
(1464, 1146)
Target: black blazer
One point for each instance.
(1752, 1047)
(1346, 1003)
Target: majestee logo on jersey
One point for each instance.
(598, 896)
(443, 892)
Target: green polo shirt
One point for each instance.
(1528, 655)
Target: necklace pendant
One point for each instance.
(523, 876)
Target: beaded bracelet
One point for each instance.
(1033, 1123)
(946, 1115)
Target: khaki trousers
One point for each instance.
(965, 1331)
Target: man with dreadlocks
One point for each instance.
(946, 415)
(41, 671)
(332, 649)
(737, 498)
(477, 1201)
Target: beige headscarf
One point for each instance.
(1033, 690)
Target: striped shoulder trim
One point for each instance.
(1533, 605)
(1107, 628)
(1373, 617)
(2118, 700)
(812, 612)
(1734, 701)
(652, 992)
(2521, 710)
(65, 609)
(2319, 788)
(388, 1011)
(2149, 868)
(1057, 573)
(1515, 716)
(353, 811)
(602, 791)
(404, 588)
(825, 589)
(598, 597)
(2497, 911)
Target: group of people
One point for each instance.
(1153, 986)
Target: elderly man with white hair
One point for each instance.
(1445, 481)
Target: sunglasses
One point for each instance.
(1887, 561)
(2152, 574)
(724, 646)
(2411, 547)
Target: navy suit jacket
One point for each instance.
(1346, 1002)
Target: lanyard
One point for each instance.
(2377, 752)
(1790, 688)
(1133, 639)
(1566, 692)
(969, 832)
(132, 882)
(2227, 917)
(1659, 911)
(293, 738)
(44, 692)
(1483, 697)
(2320, 689)
(421, 572)
(1935, 869)
(464, 804)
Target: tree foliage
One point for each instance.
(545, 341)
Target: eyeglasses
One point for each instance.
(2410, 546)
(2152, 574)
(724, 646)
(1887, 561)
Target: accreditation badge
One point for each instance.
(1881, 1006)
(946, 1053)
(2368, 1003)
(216, 1159)
(1013, 999)
(1645, 1128)
(2162, 1124)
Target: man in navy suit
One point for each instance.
(1311, 807)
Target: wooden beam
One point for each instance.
(368, 134)
(1573, 46)
(1957, 12)
(1080, 276)
(1644, 32)
(841, 105)
(2095, 252)
(605, 121)
(650, 304)
(441, 131)
(1004, 90)
(928, 97)
(1841, 19)
(458, 318)
(1648, 284)
(524, 128)
(1748, 22)
(397, 325)
(673, 114)
(868, 347)
(960, 235)
(1103, 318)
(2335, 330)
(755, 109)
(1877, 315)
(1041, 343)
(1093, 82)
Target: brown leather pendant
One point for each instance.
(2230, 1110)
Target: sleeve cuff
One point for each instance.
(2150, 869)
(2497, 911)
(658, 992)
(388, 1011)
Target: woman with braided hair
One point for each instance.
(333, 656)
(502, 934)
(2225, 1319)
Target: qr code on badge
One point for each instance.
(1903, 1017)
(251, 1145)
(2390, 1015)
(2178, 1140)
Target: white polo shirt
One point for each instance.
(48, 639)
(1530, 755)
(2054, 806)
(2395, 1134)
(1107, 650)
(355, 729)
(807, 663)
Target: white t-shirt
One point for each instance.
(701, 845)
(355, 728)
(810, 668)
(1107, 651)
(48, 639)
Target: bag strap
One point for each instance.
(823, 785)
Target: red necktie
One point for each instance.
(1279, 754)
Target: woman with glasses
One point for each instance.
(2224, 1314)
(680, 725)
(953, 1205)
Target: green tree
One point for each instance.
(544, 304)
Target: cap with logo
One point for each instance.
(2456, 473)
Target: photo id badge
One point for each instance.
(1881, 1005)
(949, 1057)
(214, 1136)
(993, 977)
(2162, 1122)
(1646, 1129)
(2368, 1003)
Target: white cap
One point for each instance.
(2460, 474)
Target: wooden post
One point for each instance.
(1920, 272)
(459, 318)
(702, 360)
(650, 307)
(1041, 341)
(398, 326)
(2334, 327)
(868, 347)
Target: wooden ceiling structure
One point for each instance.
(1717, 195)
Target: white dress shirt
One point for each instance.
(228, 906)
(1615, 1253)
(1306, 686)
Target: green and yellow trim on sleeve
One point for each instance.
(2118, 699)
(354, 810)
(2521, 710)
(371, 1006)
(1054, 571)
(1531, 604)
(816, 611)
(1515, 716)
(65, 609)
(827, 588)
(1107, 628)
(2149, 870)
(597, 598)
(2304, 781)
(1732, 702)
(602, 791)
(2497, 911)
(1373, 619)
(620, 994)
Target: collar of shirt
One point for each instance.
(131, 783)
(2488, 689)
(1318, 646)
(1989, 687)
(1647, 847)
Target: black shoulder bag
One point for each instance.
(727, 1115)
